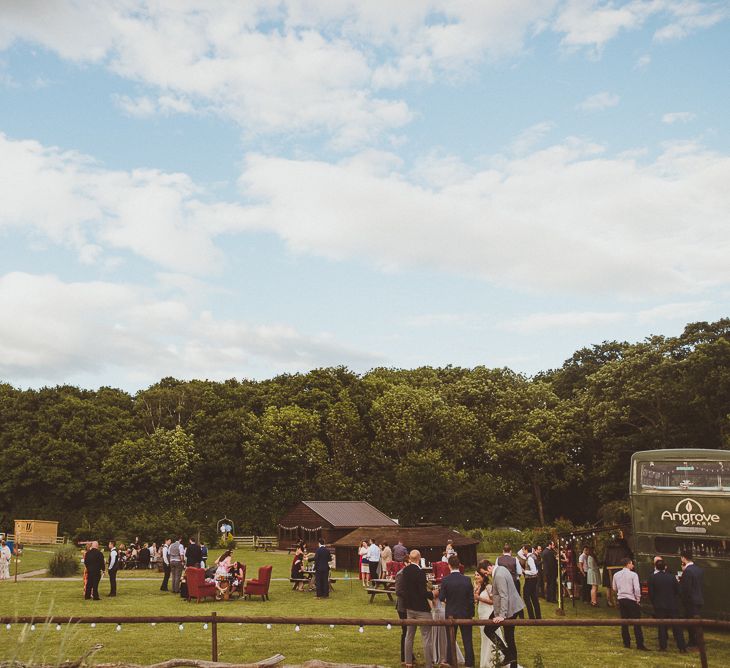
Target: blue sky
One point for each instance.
(225, 189)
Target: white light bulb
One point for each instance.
(332, 626)
(268, 626)
(32, 627)
(93, 625)
(297, 629)
(361, 630)
(181, 627)
(58, 627)
(119, 627)
(205, 627)
(8, 627)
(389, 627)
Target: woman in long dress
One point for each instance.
(5, 559)
(364, 564)
(439, 634)
(593, 574)
(483, 596)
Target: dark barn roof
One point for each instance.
(432, 536)
(349, 513)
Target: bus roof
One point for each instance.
(680, 453)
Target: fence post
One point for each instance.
(701, 645)
(214, 637)
(452, 646)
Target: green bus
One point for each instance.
(680, 499)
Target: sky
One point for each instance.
(209, 189)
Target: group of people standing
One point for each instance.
(666, 592)
(493, 596)
(173, 557)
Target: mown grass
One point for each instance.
(559, 648)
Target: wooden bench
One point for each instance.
(374, 592)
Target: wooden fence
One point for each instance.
(213, 620)
(255, 541)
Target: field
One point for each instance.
(139, 595)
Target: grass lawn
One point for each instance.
(145, 644)
(33, 558)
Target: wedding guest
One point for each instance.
(456, 591)
(94, 562)
(628, 591)
(550, 566)
(664, 595)
(112, 567)
(690, 587)
(166, 564)
(364, 566)
(507, 605)
(416, 597)
(485, 609)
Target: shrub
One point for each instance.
(64, 562)
(227, 543)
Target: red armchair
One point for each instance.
(440, 570)
(260, 586)
(197, 587)
(394, 567)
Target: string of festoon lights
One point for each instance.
(181, 627)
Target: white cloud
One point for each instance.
(689, 16)
(83, 206)
(540, 322)
(681, 312)
(565, 218)
(288, 67)
(530, 137)
(678, 117)
(592, 23)
(599, 101)
(64, 331)
(642, 62)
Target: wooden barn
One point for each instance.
(429, 540)
(35, 531)
(331, 520)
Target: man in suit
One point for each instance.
(193, 555)
(457, 592)
(507, 605)
(113, 567)
(550, 567)
(690, 587)
(664, 594)
(94, 562)
(166, 564)
(514, 567)
(416, 598)
(322, 558)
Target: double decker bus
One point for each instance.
(680, 500)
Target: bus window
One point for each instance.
(667, 545)
(697, 476)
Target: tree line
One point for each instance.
(478, 447)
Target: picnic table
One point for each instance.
(388, 588)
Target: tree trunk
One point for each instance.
(538, 499)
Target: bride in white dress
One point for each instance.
(483, 596)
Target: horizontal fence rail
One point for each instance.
(214, 620)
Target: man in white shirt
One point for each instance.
(628, 591)
(532, 603)
(373, 557)
(113, 567)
